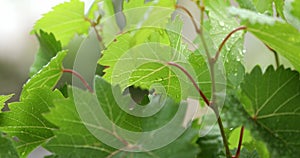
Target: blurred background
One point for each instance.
(17, 45)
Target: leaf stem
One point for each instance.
(240, 143)
(225, 141)
(93, 25)
(198, 30)
(225, 40)
(192, 80)
(80, 77)
(190, 15)
(214, 108)
(212, 61)
(202, 9)
(275, 55)
(222, 131)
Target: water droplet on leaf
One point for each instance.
(222, 23)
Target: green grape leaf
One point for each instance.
(145, 66)
(251, 146)
(274, 108)
(265, 7)
(279, 4)
(48, 76)
(133, 4)
(111, 107)
(280, 36)
(211, 144)
(49, 47)
(160, 3)
(4, 98)
(7, 147)
(150, 9)
(72, 138)
(184, 146)
(234, 116)
(134, 15)
(24, 122)
(109, 21)
(110, 104)
(219, 25)
(120, 52)
(108, 8)
(247, 4)
(292, 12)
(245, 153)
(202, 73)
(90, 124)
(64, 21)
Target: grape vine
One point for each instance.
(129, 78)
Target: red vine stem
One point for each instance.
(212, 61)
(192, 80)
(94, 24)
(190, 15)
(240, 143)
(80, 77)
(275, 54)
(199, 31)
(225, 40)
(211, 105)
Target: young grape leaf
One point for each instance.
(24, 122)
(48, 76)
(49, 47)
(280, 36)
(7, 147)
(131, 50)
(292, 12)
(147, 13)
(145, 54)
(77, 135)
(274, 100)
(134, 15)
(64, 21)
